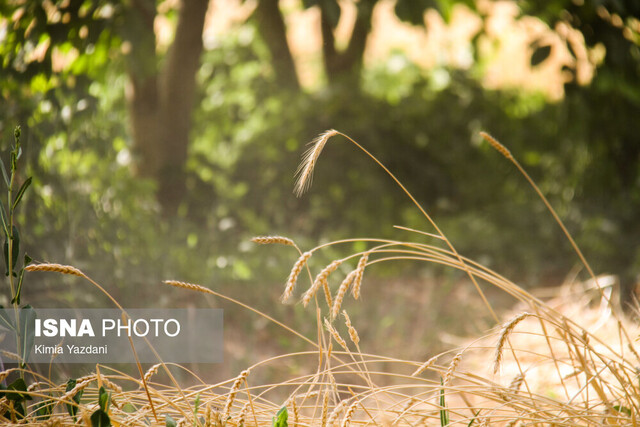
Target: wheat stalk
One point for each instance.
(293, 276)
(504, 334)
(304, 174)
(58, 268)
(270, 240)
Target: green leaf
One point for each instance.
(23, 188)
(15, 251)
(16, 298)
(44, 408)
(103, 399)
(169, 422)
(6, 321)
(17, 391)
(129, 408)
(3, 217)
(281, 417)
(540, 54)
(100, 419)
(4, 174)
(623, 409)
(27, 332)
(73, 409)
(444, 413)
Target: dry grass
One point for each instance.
(565, 361)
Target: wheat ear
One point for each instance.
(336, 412)
(426, 365)
(335, 334)
(452, 368)
(232, 393)
(353, 334)
(304, 174)
(271, 240)
(319, 281)
(293, 276)
(350, 411)
(504, 334)
(151, 372)
(325, 408)
(497, 145)
(58, 268)
(359, 272)
(342, 291)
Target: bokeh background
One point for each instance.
(163, 135)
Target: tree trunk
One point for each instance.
(345, 67)
(161, 101)
(274, 32)
(177, 86)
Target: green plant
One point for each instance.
(21, 323)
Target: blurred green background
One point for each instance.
(163, 135)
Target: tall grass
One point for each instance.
(563, 361)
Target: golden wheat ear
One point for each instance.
(304, 174)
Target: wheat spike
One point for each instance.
(357, 282)
(426, 365)
(350, 411)
(336, 412)
(304, 174)
(342, 291)
(151, 372)
(353, 334)
(58, 268)
(325, 408)
(497, 145)
(185, 285)
(319, 281)
(335, 334)
(504, 334)
(452, 368)
(293, 276)
(270, 240)
(232, 393)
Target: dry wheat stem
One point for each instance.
(304, 174)
(353, 334)
(319, 281)
(504, 335)
(342, 291)
(497, 145)
(293, 275)
(270, 240)
(58, 268)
